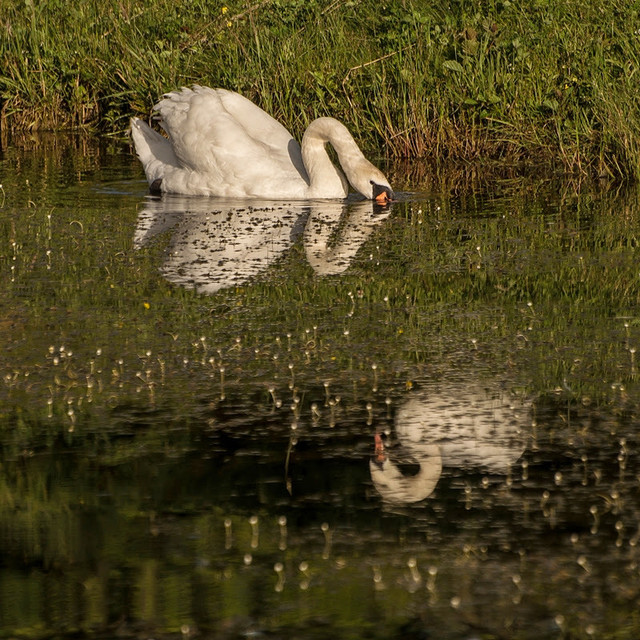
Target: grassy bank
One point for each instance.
(547, 82)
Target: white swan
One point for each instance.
(221, 144)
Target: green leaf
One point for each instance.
(453, 65)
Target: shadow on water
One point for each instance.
(316, 420)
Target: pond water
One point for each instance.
(226, 419)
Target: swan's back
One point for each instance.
(204, 123)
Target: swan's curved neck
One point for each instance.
(319, 167)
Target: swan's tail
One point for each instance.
(154, 150)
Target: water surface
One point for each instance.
(225, 419)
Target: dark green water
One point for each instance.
(232, 420)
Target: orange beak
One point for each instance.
(382, 198)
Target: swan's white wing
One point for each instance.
(219, 132)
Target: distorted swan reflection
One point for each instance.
(223, 243)
(459, 426)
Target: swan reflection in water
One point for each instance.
(462, 426)
(222, 243)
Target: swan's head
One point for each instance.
(370, 182)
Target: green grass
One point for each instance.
(552, 83)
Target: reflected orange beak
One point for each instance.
(379, 448)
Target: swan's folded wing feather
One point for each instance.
(154, 150)
(220, 132)
(256, 123)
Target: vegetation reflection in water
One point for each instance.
(412, 422)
